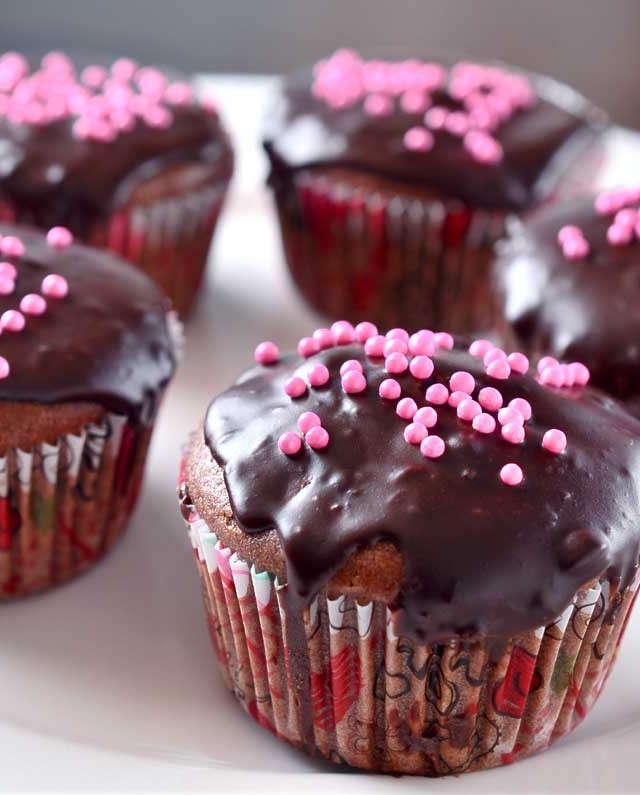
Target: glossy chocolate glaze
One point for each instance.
(106, 342)
(304, 132)
(584, 309)
(479, 556)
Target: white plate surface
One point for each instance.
(110, 683)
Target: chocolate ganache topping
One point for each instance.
(75, 143)
(499, 516)
(486, 134)
(569, 281)
(77, 324)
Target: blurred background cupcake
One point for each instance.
(85, 354)
(124, 156)
(393, 179)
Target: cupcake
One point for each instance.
(393, 179)
(121, 156)
(85, 354)
(568, 282)
(414, 558)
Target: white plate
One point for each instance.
(110, 683)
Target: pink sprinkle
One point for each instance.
(396, 363)
(575, 248)
(619, 235)
(93, 76)
(518, 362)
(626, 217)
(317, 375)
(580, 373)
(418, 139)
(343, 332)
(484, 423)
(490, 398)
(456, 398)
(8, 271)
(499, 369)
(427, 416)
(295, 387)
(468, 409)
(414, 101)
(55, 286)
(415, 432)
(480, 348)
(422, 343)
(513, 432)
(33, 304)
(554, 441)
(266, 353)
(432, 447)
(406, 408)
(353, 382)
(124, 69)
(4, 367)
(436, 117)
(443, 340)
(290, 443)
(567, 232)
(546, 361)
(522, 406)
(11, 246)
(178, 93)
(438, 394)
(510, 414)
(398, 334)
(462, 381)
(307, 347)
(395, 346)
(482, 147)
(374, 346)
(308, 420)
(324, 337)
(12, 320)
(378, 105)
(59, 237)
(552, 376)
(421, 367)
(511, 475)
(351, 364)
(317, 438)
(364, 331)
(390, 389)
(493, 355)
(7, 285)
(606, 203)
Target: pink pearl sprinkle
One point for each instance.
(418, 139)
(12, 320)
(522, 406)
(468, 409)
(8, 271)
(567, 232)
(462, 381)
(406, 408)
(422, 343)
(317, 438)
(374, 346)
(343, 332)
(493, 355)
(443, 340)
(307, 347)
(11, 246)
(499, 369)
(295, 387)
(396, 363)
(552, 376)
(456, 398)
(266, 353)
(575, 248)
(398, 334)
(432, 447)
(33, 304)
(378, 105)
(490, 398)
(545, 362)
(290, 443)
(415, 432)
(626, 217)
(353, 382)
(619, 235)
(438, 394)
(484, 423)
(480, 348)
(390, 389)
(421, 367)
(513, 432)
(427, 416)
(518, 362)
(511, 475)
(364, 331)
(554, 441)
(351, 364)
(324, 337)
(580, 373)
(509, 414)
(395, 346)
(7, 285)
(54, 286)
(4, 367)
(59, 237)
(317, 375)
(308, 420)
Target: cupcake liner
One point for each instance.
(360, 694)
(63, 505)
(377, 256)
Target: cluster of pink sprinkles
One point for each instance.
(483, 98)
(32, 304)
(100, 103)
(400, 352)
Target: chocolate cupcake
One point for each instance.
(413, 560)
(393, 179)
(121, 156)
(85, 354)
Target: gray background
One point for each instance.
(593, 44)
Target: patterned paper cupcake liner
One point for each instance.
(168, 239)
(63, 505)
(374, 700)
(388, 258)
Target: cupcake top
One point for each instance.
(75, 142)
(569, 281)
(482, 133)
(457, 486)
(77, 324)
